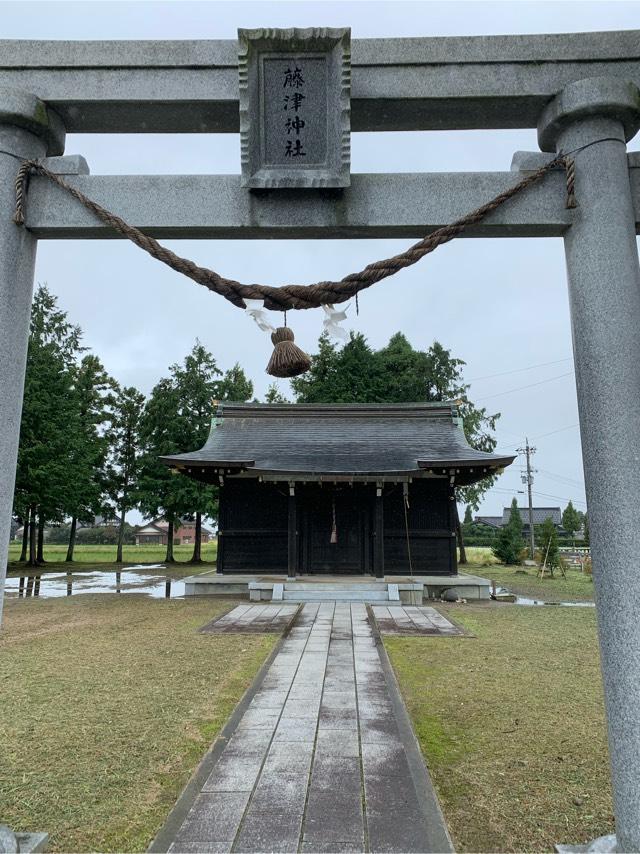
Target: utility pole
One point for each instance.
(528, 479)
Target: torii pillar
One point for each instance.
(604, 292)
(28, 129)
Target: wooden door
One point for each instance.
(349, 554)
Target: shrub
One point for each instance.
(548, 541)
(509, 546)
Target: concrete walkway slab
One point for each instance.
(254, 618)
(412, 620)
(321, 759)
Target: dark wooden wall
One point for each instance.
(253, 520)
(254, 528)
(430, 522)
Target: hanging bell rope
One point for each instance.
(333, 539)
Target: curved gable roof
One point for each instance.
(356, 439)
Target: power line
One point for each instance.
(553, 432)
(515, 492)
(571, 481)
(522, 387)
(520, 370)
(560, 498)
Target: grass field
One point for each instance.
(87, 557)
(576, 587)
(480, 556)
(108, 704)
(511, 723)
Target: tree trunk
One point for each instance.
(170, 558)
(72, 540)
(25, 536)
(40, 554)
(197, 552)
(32, 536)
(460, 536)
(120, 533)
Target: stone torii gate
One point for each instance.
(578, 90)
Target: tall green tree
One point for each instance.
(197, 384)
(509, 544)
(347, 375)
(124, 459)
(50, 432)
(234, 385)
(571, 520)
(92, 396)
(160, 492)
(177, 418)
(274, 395)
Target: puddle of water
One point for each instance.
(523, 600)
(50, 585)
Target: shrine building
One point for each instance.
(340, 489)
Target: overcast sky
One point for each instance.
(501, 305)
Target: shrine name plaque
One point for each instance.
(295, 107)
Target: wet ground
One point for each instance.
(524, 600)
(50, 585)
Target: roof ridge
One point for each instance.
(433, 408)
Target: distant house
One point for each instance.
(111, 521)
(539, 516)
(156, 533)
(491, 521)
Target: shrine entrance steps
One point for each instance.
(410, 590)
(345, 591)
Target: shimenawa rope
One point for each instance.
(289, 296)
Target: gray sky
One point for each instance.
(139, 316)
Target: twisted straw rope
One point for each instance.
(289, 296)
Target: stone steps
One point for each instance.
(336, 592)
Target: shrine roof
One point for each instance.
(341, 439)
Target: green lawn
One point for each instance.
(479, 556)
(576, 587)
(108, 704)
(87, 557)
(511, 723)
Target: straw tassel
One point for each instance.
(287, 359)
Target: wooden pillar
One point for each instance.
(453, 525)
(292, 562)
(378, 534)
(221, 525)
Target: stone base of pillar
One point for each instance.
(602, 845)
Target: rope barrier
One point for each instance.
(290, 296)
(288, 359)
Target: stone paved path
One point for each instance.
(412, 620)
(253, 618)
(318, 762)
